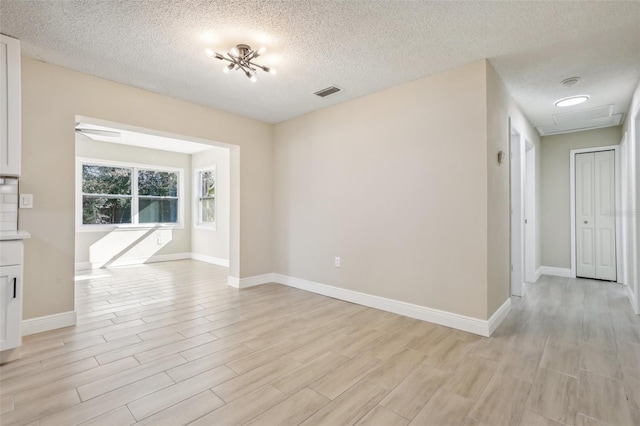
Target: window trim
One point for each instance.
(197, 189)
(81, 227)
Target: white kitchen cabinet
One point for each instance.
(10, 296)
(10, 139)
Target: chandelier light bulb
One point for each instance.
(234, 52)
(227, 68)
(261, 50)
(273, 71)
(209, 52)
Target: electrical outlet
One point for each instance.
(336, 262)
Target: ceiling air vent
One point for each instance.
(328, 91)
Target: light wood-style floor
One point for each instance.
(171, 344)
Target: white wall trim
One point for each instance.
(256, 280)
(499, 315)
(448, 319)
(48, 322)
(537, 274)
(633, 300)
(572, 203)
(210, 259)
(233, 282)
(83, 266)
(558, 272)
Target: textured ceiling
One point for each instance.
(360, 46)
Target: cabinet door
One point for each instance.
(10, 307)
(10, 139)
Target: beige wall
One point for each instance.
(51, 98)
(102, 248)
(395, 184)
(214, 243)
(555, 204)
(501, 107)
(400, 184)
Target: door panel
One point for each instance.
(585, 223)
(604, 203)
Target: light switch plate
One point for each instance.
(26, 201)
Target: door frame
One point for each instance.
(572, 204)
(522, 238)
(516, 207)
(530, 252)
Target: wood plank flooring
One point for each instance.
(171, 344)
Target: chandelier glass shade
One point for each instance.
(241, 58)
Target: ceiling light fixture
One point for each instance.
(570, 101)
(241, 58)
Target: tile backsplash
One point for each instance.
(8, 204)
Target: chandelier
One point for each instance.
(241, 58)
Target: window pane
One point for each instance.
(208, 183)
(208, 210)
(159, 184)
(158, 210)
(106, 180)
(102, 210)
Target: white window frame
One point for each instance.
(135, 167)
(197, 189)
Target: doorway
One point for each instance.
(523, 211)
(179, 198)
(595, 198)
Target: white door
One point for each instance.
(595, 215)
(517, 230)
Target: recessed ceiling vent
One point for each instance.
(328, 91)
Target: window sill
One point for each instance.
(137, 227)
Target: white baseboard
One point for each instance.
(537, 274)
(633, 300)
(250, 281)
(256, 280)
(558, 272)
(82, 266)
(233, 282)
(210, 259)
(499, 315)
(448, 319)
(48, 322)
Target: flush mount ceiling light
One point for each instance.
(570, 101)
(241, 58)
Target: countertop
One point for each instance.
(14, 235)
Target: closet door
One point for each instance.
(604, 198)
(585, 216)
(595, 215)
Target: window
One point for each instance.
(106, 195)
(157, 196)
(127, 194)
(206, 197)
